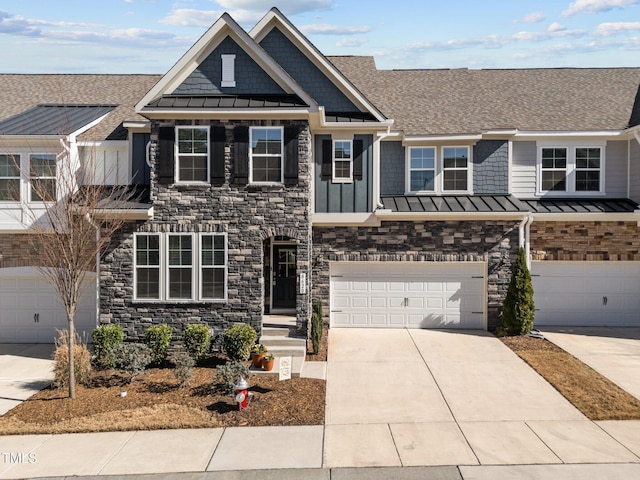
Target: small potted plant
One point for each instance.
(258, 351)
(268, 361)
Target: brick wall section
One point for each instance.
(585, 241)
(491, 167)
(493, 242)
(249, 214)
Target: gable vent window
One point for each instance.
(228, 71)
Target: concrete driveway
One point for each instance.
(611, 351)
(24, 369)
(429, 397)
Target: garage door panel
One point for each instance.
(408, 294)
(573, 293)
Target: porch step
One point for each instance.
(280, 341)
(278, 335)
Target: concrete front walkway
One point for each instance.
(24, 369)
(428, 397)
(611, 351)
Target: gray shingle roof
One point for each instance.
(19, 93)
(446, 102)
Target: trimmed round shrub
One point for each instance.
(158, 338)
(105, 339)
(238, 340)
(197, 340)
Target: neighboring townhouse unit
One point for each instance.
(274, 176)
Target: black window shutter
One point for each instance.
(166, 167)
(358, 146)
(327, 160)
(217, 140)
(241, 155)
(291, 155)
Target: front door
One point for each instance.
(283, 284)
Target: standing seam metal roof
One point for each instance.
(53, 119)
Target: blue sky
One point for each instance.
(149, 36)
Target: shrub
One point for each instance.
(316, 326)
(158, 338)
(238, 340)
(132, 358)
(197, 340)
(183, 366)
(518, 307)
(81, 360)
(105, 339)
(228, 374)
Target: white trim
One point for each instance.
(168, 266)
(274, 18)
(439, 170)
(135, 266)
(409, 170)
(228, 71)
(346, 219)
(18, 165)
(223, 27)
(225, 268)
(177, 155)
(425, 139)
(570, 170)
(30, 177)
(251, 130)
(334, 178)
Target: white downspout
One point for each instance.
(637, 136)
(521, 231)
(97, 289)
(527, 241)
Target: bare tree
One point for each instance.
(72, 214)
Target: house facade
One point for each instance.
(274, 176)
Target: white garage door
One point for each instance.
(408, 294)
(586, 293)
(30, 311)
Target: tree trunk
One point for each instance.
(72, 366)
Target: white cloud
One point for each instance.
(324, 29)
(613, 28)
(288, 7)
(533, 17)
(351, 42)
(595, 6)
(187, 17)
(556, 27)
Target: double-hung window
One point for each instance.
(573, 170)
(42, 172)
(192, 158)
(265, 154)
(342, 161)
(9, 178)
(180, 267)
(438, 170)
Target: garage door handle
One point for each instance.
(604, 301)
(36, 317)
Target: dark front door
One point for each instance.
(284, 277)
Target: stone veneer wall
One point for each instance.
(452, 241)
(585, 241)
(248, 214)
(16, 250)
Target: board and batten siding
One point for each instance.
(634, 180)
(523, 169)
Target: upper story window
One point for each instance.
(9, 178)
(570, 170)
(443, 170)
(180, 267)
(192, 159)
(42, 172)
(265, 155)
(342, 161)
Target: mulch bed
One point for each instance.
(594, 395)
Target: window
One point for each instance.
(42, 170)
(438, 170)
(213, 265)
(571, 170)
(180, 267)
(455, 168)
(554, 169)
(192, 159)
(147, 266)
(180, 282)
(9, 178)
(422, 169)
(342, 161)
(265, 155)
